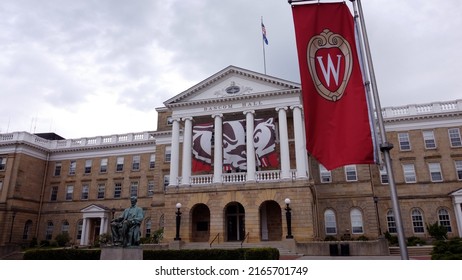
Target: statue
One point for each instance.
(126, 228)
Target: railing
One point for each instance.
(245, 238)
(201, 179)
(239, 177)
(269, 175)
(420, 109)
(217, 237)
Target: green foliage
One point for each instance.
(62, 254)
(261, 254)
(33, 243)
(415, 241)
(213, 254)
(62, 239)
(437, 231)
(392, 239)
(158, 236)
(362, 238)
(44, 243)
(104, 238)
(447, 249)
(330, 238)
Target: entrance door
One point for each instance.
(235, 221)
(270, 221)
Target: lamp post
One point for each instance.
(288, 219)
(12, 223)
(178, 221)
(376, 200)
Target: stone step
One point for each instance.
(413, 250)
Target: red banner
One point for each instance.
(338, 128)
(202, 147)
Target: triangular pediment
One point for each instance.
(457, 193)
(94, 208)
(231, 82)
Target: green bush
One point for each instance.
(437, 231)
(447, 249)
(392, 239)
(362, 238)
(415, 241)
(62, 254)
(330, 238)
(62, 239)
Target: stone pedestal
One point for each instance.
(176, 245)
(120, 253)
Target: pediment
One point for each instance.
(229, 83)
(94, 208)
(457, 193)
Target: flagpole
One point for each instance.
(385, 146)
(263, 46)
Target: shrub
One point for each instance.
(447, 249)
(362, 238)
(437, 231)
(392, 239)
(62, 254)
(105, 239)
(158, 236)
(62, 239)
(330, 238)
(415, 241)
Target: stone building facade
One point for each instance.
(50, 185)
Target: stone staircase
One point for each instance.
(413, 251)
(283, 251)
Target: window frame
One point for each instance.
(454, 137)
(168, 154)
(58, 169)
(458, 167)
(103, 165)
(101, 192)
(417, 219)
(404, 141)
(357, 221)
(351, 170)
(407, 173)
(72, 167)
(434, 169)
(120, 164)
(88, 164)
(117, 190)
(85, 192)
(429, 139)
(54, 193)
(444, 219)
(136, 163)
(330, 222)
(69, 192)
(391, 222)
(324, 174)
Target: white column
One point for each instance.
(284, 143)
(458, 212)
(85, 231)
(102, 225)
(251, 167)
(218, 150)
(175, 153)
(187, 146)
(300, 149)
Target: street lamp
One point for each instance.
(178, 221)
(12, 223)
(288, 219)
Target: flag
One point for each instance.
(202, 147)
(263, 30)
(337, 123)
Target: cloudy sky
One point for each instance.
(100, 67)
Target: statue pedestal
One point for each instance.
(120, 253)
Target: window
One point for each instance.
(168, 154)
(417, 221)
(120, 164)
(148, 228)
(429, 139)
(350, 173)
(49, 231)
(79, 230)
(136, 163)
(101, 191)
(72, 167)
(1, 185)
(404, 142)
(409, 173)
(134, 189)
(391, 222)
(454, 137)
(169, 120)
(65, 227)
(85, 190)
(152, 161)
(356, 221)
(117, 190)
(69, 192)
(324, 174)
(150, 187)
(443, 219)
(2, 163)
(458, 164)
(166, 181)
(54, 194)
(383, 175)
(330, 223)
(435, 172)
(103, 165)
(58, 167)
(88, 166)
(27, 228)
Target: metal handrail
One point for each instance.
(216, 237)
(245, 237)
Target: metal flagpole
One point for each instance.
(385, 146)
(263, 46)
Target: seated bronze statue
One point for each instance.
(126, 228)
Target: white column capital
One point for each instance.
(187, 118)
(217, 115)
(281, 108)
(299, 106)
(248, 112)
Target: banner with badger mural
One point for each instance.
(234, 144)
(202, 147)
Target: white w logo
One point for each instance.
(335, 70)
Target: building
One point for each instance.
(50, 185)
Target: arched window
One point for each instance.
(417, 221)
(391, 224)
(27, 228)
(329, 222)
(443, 219)
(65, 227)
(356, 221)
(49, 231)
(148, 228)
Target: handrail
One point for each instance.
(216, 237)
(245, 237)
